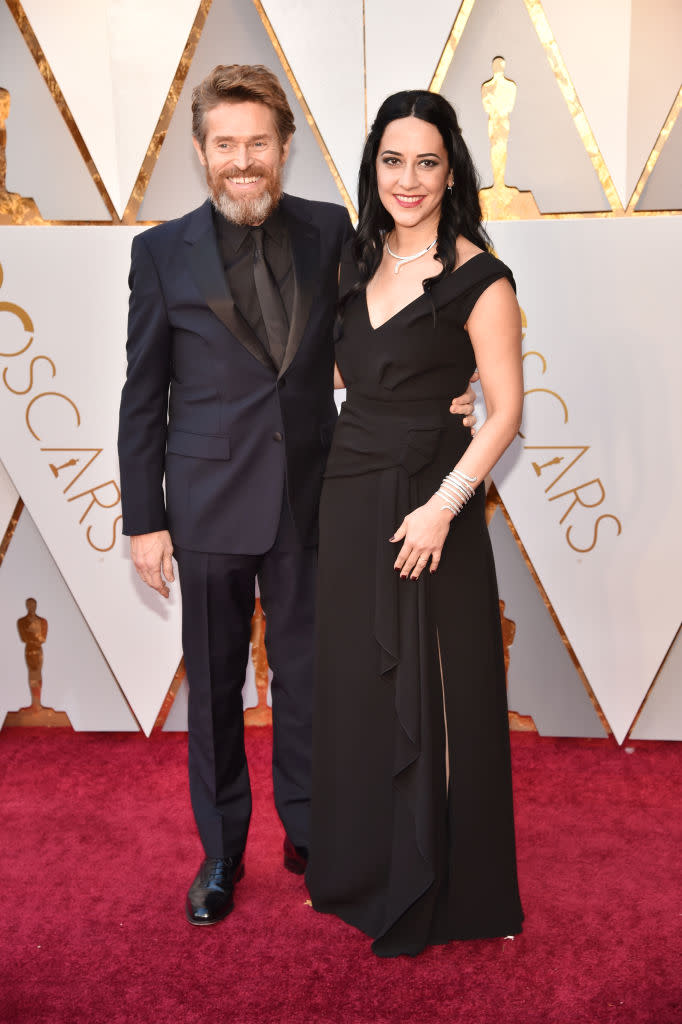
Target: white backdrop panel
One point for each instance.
(399, 59)
(603, 304)
(58, 438)
(115, 61)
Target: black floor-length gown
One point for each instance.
(409, 844)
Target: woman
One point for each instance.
(413, 832)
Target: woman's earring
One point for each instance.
(450, 190)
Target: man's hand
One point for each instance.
(464, 405)
(151, 554)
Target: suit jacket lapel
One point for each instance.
(305, 247)
(208, 273)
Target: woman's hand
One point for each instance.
(423, 532)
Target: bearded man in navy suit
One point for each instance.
(229, 397)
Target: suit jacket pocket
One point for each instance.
(198, 446)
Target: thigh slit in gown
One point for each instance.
(410, 843)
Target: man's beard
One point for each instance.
(249, 209)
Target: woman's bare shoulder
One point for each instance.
(466, 250)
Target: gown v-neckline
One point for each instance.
(415, 299)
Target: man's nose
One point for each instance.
(241, 157)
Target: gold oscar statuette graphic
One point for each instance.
(33, 634)
(502, 202)
(261, 714)
(14, 209)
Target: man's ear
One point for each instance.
(285, 150)
(200, 152)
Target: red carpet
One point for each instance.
(98, 848)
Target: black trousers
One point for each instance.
(217, 606)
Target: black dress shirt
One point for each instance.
(236, 249)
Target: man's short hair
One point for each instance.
(241, 83)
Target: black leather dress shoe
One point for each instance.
(210, 896)
(295, 857)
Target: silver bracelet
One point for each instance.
(456, 491)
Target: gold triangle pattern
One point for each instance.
(165, 117)
(663, 137)
(42, 62)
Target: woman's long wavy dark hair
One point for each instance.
(460, 210)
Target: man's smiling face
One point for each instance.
(243, 158)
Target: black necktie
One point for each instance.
(270, 299)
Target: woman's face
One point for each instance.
(412, 172)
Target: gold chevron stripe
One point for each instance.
(286, 67)
(558, 66)
(663, 137)
(165, 117)
(11, 527)
(448, 53)
(169, 699)
(19, 15)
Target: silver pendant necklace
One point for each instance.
(407, 259)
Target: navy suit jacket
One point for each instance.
(204, 407)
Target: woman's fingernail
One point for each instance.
(392, 538)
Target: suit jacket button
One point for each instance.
(277, 436)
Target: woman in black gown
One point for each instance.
(412, 820)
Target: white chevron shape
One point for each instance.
(398, 59)
(323, 43)
(115, 61)
(623, 59)
(583, 487)
(59, 397)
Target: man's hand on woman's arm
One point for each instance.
(464, 405)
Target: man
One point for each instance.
(229, 395)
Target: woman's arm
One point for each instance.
(495, 331)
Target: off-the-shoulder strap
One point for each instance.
(467, 283)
